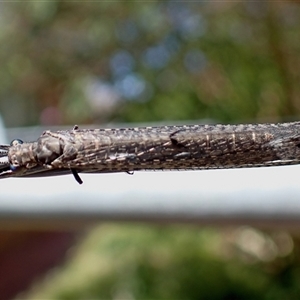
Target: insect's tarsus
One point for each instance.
(76, 176)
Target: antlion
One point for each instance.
(188, 147)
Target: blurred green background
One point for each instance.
(84, 62)
(112, 61)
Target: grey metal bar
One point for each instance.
(253, 196)
(258, 196)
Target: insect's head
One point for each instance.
(10, 162)
(21, 155)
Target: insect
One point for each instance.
(187, 147)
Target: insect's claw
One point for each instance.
(4, 150)
(76, 176)
(4, 162)
(6, 173)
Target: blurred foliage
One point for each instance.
(175, 262)
(73, 62)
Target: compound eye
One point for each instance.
(13, 168)
(16, 142)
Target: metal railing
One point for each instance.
(267, 197)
